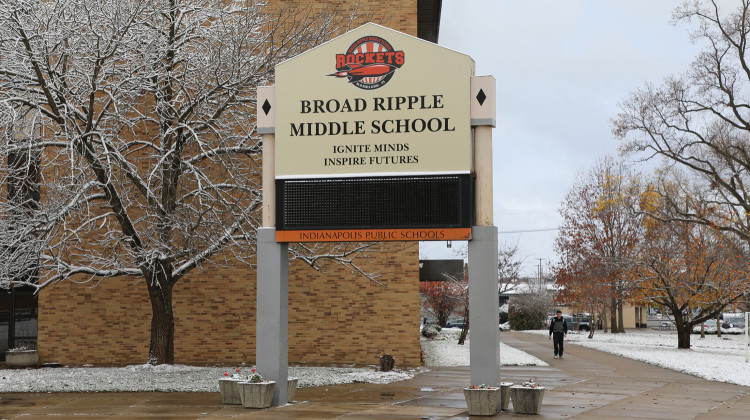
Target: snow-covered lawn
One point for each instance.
(713, 330)
(715, 358)
(445, 351)
(172, 378)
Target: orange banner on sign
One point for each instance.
(374, 235)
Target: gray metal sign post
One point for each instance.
(483, 294)
(272, 321)
(483, 307)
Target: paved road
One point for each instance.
(587, 384)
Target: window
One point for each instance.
(18, 319)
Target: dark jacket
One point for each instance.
(558, 321)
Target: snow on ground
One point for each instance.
(713, 330)
(714, 358)
(173, 378)
(445, 351)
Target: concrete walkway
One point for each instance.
(605, 386)
(587, 384)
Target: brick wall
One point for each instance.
(400, 15)
(335, 316)
(106, 324)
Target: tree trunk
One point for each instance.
(465, 329)
(442, 319)
(605, 327)
(161, 347)
(613, 316)
(620, 322)
(683, 329)
(718, 325)
(592, 325)
(683, 336)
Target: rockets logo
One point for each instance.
(369, 63)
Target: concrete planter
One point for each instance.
(482, 402)
(257, 395)
(526, 400)
(230, 391)
(505, 394)
(19, 359)
(291, 388)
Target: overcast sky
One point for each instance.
(561, 69)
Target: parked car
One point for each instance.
(709, 323)
(569, 320)
(456, 323)
(583, 322)
(735, 322)
(712, 323)
(709, 326)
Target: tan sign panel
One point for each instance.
(373, 101)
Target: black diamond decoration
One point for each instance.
(266, 107)
(481, 97)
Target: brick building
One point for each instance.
(335, 316)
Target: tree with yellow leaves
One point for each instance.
(597, 238)
(694, 271)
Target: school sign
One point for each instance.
(373, 140)
(376, 136)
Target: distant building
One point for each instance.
(524, 286)
(441, 270)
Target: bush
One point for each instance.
(503, 317)
(521, 320)
(430, 331)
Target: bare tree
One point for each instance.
(129, 136)
(700, 121)
(508, 266)
(462, 296)
(531, 303)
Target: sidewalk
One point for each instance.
(587, 384)
(619, 388)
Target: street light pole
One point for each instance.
(747, 337)
(540, 270)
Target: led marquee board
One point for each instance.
(373, 141)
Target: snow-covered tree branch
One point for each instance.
(128, 139)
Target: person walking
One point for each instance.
(559, 329)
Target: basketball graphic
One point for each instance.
(369, 63)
